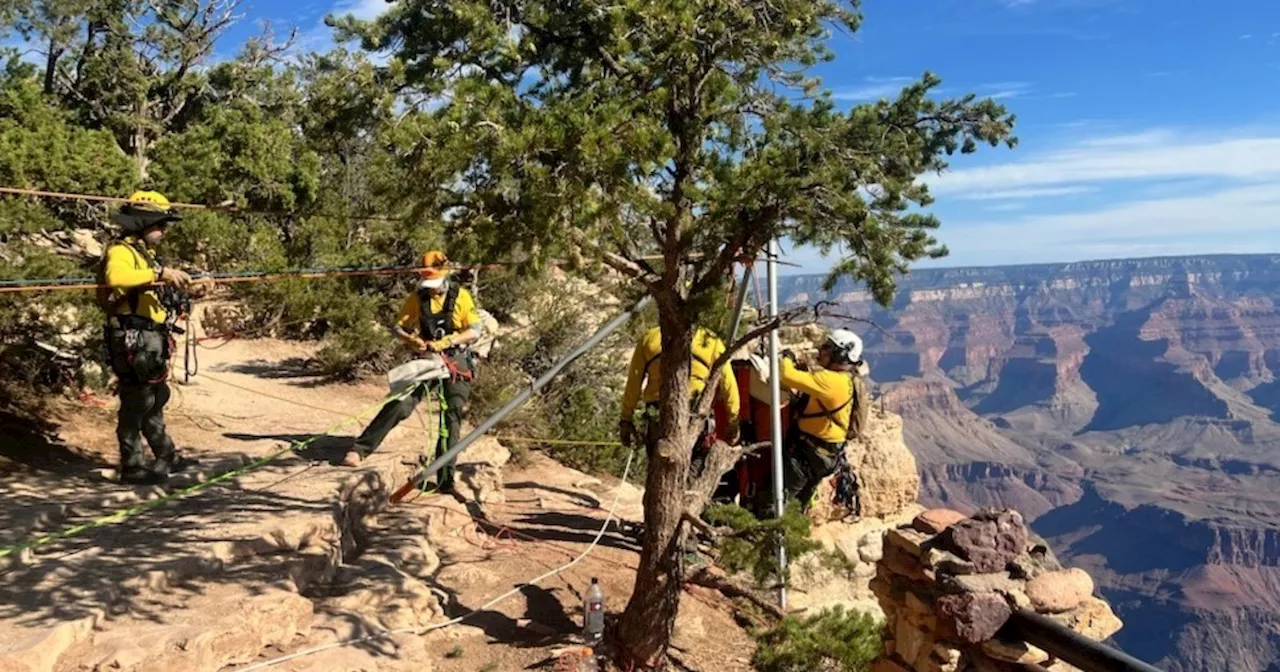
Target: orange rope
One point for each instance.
(86, 197)
(265, 277)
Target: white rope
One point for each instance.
(439, 626)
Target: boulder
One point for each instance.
(888, 480)
(871, 547)
(483, 481)
(934, 521)
(84, 244)
(947, 563)
(486, 450)
(1014, 652)
(1059, 591)
(913, 643)
(1093, 618)
(989, 539)
(972, 617)
(907, 539)
(1001, 584)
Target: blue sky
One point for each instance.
(1146, 127)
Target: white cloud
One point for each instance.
(320, 37)
(1001, 90)
(1005, 93)
(1182, 194)
(1150, 137)
(364, 10)
(874, 89)
(1144, 156)
(1240, 219)
(1169, 193)
(1015, 194)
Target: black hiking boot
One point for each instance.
(140, 476)
(173, 464)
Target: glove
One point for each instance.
(787, 354)
(174, 277)
(440, 345)
(626, 433)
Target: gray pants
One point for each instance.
(139, 359)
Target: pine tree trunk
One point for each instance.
(649, 620)
(51, 66)
(141, 144)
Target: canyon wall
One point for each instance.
(1127, 408)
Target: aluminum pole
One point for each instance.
(775, 412)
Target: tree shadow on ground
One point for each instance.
(584, 499)
(572, 528)
(548, 620)
(297, 371)
(28, 443)
(107, 567)
(324, 448)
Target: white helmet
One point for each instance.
(847, 344)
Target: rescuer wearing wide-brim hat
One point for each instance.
(138, 334)
(439, 317)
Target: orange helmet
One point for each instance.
(434, 269)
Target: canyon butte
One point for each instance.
(1130, 409)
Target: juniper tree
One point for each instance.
(690, 129)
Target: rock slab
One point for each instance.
(1056, 592)
(990, 539)
(972, 617)
(934, 521)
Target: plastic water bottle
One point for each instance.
(593, 614)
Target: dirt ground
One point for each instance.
(270, 564)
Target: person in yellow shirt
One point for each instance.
(831, 407)
(441, 317)
(137, 335)
(644, 380)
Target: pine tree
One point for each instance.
(690, 129)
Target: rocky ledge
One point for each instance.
(948, 583)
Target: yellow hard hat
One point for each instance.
(152, 200)
(144, 210)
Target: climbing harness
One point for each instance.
(432, 325)
(456, 373)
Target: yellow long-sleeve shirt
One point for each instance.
(834, 399)
(129, 264)
(646, 371)
(465, 314)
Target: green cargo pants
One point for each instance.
(140, 360)
(457, 392)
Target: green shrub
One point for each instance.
(579, 405)
(833, 640)
(753, 546)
